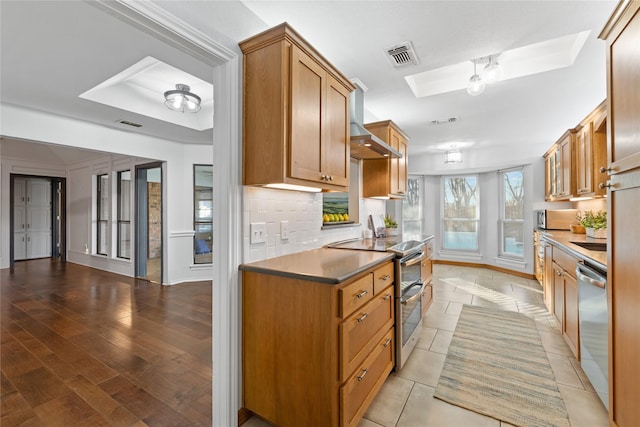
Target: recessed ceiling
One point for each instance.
(524, 61)
(140, 88)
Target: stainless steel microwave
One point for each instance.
(558, 219)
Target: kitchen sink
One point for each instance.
(592, 246)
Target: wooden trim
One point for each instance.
(244, 415)
(614, 18)
(487, 266)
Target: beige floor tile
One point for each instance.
(422, 410)
(564, 370)
(439, 305)
(454, 308)
(583, 377)
(447, 322)
(441, 342)
(554, 343)
(423, 367)
(366, 423)
(426, 337)
(584, 408)
(389, 403)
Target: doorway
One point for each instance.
(37, 217)
(149, 222)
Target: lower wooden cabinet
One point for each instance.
(566, 298)
(316, 354)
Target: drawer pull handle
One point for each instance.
(386, 297)
(385, 277)
(387, 342)
(361, 294)
(364, 372)
(361, 318)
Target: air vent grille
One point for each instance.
(128, 123)
(402, 54)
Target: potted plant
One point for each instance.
(595, 223)
(391, 226)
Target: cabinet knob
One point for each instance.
(604, 169)
(330, 177)
(385, 277)
(604, 185)
(361, 294)
(361, 318)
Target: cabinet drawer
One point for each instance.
(382, 278)
(361, 388)
(428, 247)
(361, 331)
(355, 295)
(566, 261)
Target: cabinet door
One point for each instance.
(623, 96)
(335, 150)
(584, 160)
(549, 177)
(402, 167)
(570, 329)
(565, 168)
(307, 88)
(558, 292)
(548, 278)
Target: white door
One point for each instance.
(20, 219)
(38, 218)
(32, 218)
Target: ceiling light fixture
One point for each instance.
(492, 71)
(180, 99)
(453, 156)
(476, 85)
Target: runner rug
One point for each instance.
(496, 366)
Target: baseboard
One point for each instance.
(487, 266)
(244, 415)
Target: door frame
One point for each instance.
(56, 231)
(141, 216)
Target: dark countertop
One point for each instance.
(324, 265)
(563, 239)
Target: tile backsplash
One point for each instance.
(303, 211)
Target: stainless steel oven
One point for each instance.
(408, 300)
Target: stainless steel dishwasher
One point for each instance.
(594, 327)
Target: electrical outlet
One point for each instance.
(258, 231)
(284, 230)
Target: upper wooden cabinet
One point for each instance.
(386, 177)
(572, 164)
(295, 114)
(591, 153)
(559, 184)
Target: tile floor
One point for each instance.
(406, 398)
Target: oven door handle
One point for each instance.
(413, 297)
(412, 259)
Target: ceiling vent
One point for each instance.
(402, 54)
(128, 123)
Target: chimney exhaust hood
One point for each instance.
(364, 145)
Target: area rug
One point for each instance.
(496, 366)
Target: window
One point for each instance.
(102, 217)
(124, 215)
(461, 214)
(203, 214)
(512, 213)
(412, 210)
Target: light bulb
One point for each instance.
(492, 71)
(476, 85)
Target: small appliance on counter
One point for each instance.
(555, 219)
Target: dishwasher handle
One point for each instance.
(588, 275)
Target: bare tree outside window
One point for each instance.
(461, 213)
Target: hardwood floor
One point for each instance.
(85, 347)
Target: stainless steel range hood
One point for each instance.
(364, 145)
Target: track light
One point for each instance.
(476, 85)
(492, 71)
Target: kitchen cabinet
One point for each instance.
(316, 354)
(427, 276)
(622, 36)
(295, 114)
(591, 154)
(386, 178)
(566, 297)
(559, 163)
(549, 278)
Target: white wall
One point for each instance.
(179, 159)
(489, 243)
